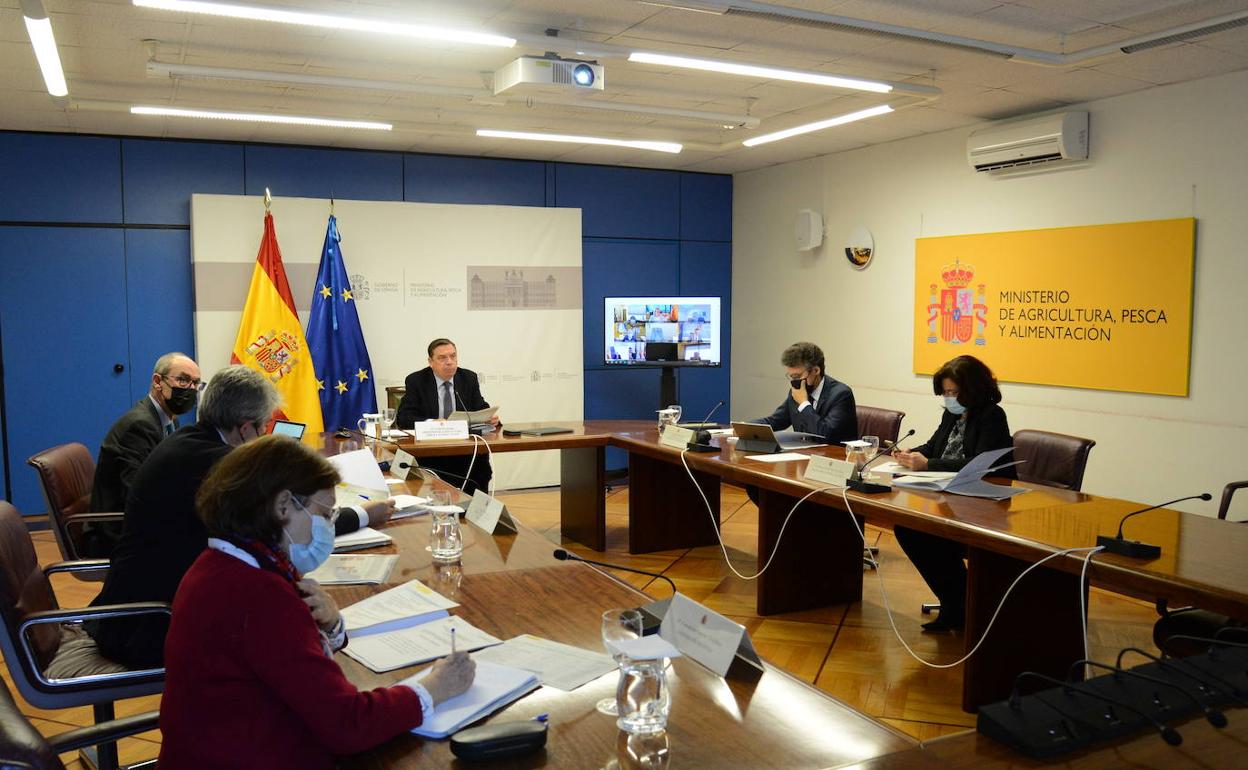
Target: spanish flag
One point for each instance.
(270, 338)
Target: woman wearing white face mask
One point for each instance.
(973, 422)
(250, 678)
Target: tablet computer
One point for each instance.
(287, 428)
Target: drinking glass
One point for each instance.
(618, 625)
(874, 449)
(387, 416)
(445, 539)
(642, 698)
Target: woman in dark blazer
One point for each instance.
(973, 422)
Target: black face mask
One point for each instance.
(181, 400)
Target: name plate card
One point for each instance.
(706, 636)
(489, 513)
(829, 470)
(676, 437)
(435, 430)
(402, 464)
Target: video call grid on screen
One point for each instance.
(692, 324)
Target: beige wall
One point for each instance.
(1173, 151)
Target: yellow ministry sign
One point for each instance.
(1105, 306)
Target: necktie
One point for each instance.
(446, 400)
(169, 429)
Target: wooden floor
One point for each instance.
(848, 650)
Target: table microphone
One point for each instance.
(563, 555)
(1168, 733)
(1134, 548)
(1214, 716)
(702, 437)
(861, 484)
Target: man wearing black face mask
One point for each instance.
(816, 403)
(174, 389)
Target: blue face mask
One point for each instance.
(951, 403)
(308, 556)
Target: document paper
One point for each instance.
(556, 665)
(968, 481)
(405, 605)
(366, 537)
(354, 569)
(493, 687)
(408, 646)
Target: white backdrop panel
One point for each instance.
(409, 264)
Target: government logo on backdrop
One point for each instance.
(959, 312)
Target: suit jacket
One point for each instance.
(986, 428)
(126, 445)
(421, 401)
(834, 416)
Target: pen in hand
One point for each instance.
(452, 640)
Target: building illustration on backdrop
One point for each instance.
(511, 290)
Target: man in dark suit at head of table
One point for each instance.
(433, 393)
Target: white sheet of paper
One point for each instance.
(366, 537)
(351, 494)
(703, 634)
(394, 482)
(479, 417)
(412, 599)
(782, 457)
(720, 431)
(890, 466)
(650, 647)
(489, 513)
(492, 687)
(437, 430)
(556, 665)
(359, 468)
(354, 569)
(418, 644)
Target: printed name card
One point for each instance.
(489, 513)
(435, 430)
(402, 464)
(706, 636)
(676, 437)
(829, 470)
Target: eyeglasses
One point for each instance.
(798, 376)
(330, 514)
(182, 381)
(951, 393)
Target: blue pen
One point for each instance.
(541, 718)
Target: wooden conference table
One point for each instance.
(819, 562)
(511, 584)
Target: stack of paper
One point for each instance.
(555, 664)
(387, 651)
(354, 569)
(492, 688)
(360, 539)
(408, 505)
(362, 481)
(410, 604)
(968, 481)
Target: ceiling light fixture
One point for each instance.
(754, 70)
(841, 120)
(251, 117)
(39, 28)
(328, 21)
(636, 144)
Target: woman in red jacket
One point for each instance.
(250, 677)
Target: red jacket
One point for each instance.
(248, 684)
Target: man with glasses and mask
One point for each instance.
(816, 403)
(174, 389)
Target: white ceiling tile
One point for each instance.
(1174, 64)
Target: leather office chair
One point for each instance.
(1193, 621)
(21, 745)
(66, 473)
(52, 660)
(395, 394)
(873, 421)
(885, 423)
(1054, 459)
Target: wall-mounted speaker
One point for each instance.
(808, 230)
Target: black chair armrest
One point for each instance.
(87, 518)
(104, 732)
(91, 681)
(93, 613)
(79, 565)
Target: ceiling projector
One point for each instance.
(538, 73)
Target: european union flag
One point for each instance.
(344, 375)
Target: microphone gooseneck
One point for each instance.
(565, 555)
(1202, 496)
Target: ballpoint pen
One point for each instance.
(452, 640)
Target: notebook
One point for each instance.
(969, 480)
(367, 537)
(493, 687)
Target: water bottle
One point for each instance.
(642, 696)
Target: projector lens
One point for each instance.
(583, 74)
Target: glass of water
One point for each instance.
(642, 697)
(618, 625)
(874, 449)
(445, 539)
(387, 419)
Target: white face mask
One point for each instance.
(951, 403)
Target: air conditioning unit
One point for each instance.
(549, 74)
(1035, 142)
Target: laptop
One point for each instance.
(759, 437)
(287, 428)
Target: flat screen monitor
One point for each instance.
(663, 331)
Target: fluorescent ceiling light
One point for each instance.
(328, 21)
(250, 117)
(636, 144)
(753, 70)
(39, 27)
(841, 120)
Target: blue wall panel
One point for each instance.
(447, 179)
(614, 268)
(63, 316)
(160, 176)
(705, 207)
(706, 271)
(60, 178)
(158, 293)
(621, 394)
(621, 202)
(302, 172)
